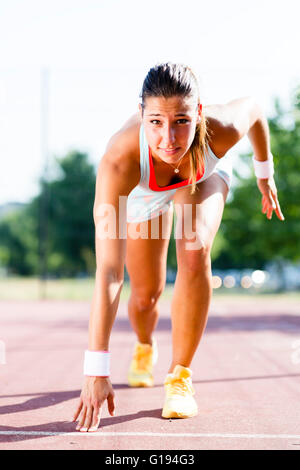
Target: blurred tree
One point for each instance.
(71, 227)
(15, 238)
(172, 258)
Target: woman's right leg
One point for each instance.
(146, 262)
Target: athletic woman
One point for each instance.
(173, 153)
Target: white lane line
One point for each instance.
(149, 434)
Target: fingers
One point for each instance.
(278, 209)
(91, 416)
(92, 419)
(82, 418)
(92, 399)
(270, 203)
(264, 205)
(76, 414)
(96, 419)
(88, 419)
(268, 206)
(111, 405)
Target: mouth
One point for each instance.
(170, 151)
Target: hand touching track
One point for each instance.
(94, 393)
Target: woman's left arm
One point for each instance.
(246, 117)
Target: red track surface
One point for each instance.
(246, 382)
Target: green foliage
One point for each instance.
(172, 258)
(17, 243)
(58, 222)
(71, 226)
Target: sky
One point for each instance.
(78, 67)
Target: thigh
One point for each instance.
(199, 215)
(146, 256)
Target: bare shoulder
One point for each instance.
(228, 123)
(126, 139)
(122, 149)
(119, 168)
(221, 131)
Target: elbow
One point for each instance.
(254, 115)
(256, 112)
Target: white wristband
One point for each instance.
(96, 363)
(264, 169)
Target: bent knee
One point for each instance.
(194, 256)
(145, 300)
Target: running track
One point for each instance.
(246, 374)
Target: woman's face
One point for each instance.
(170, 125)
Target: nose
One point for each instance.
(168, 137)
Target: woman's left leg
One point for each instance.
(193, 286)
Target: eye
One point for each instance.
(155, 121)
(182, 121)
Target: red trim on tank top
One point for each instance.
(153, 184)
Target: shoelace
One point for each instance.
(143, 358)
(179, 386)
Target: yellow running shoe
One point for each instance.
(179, 401)
(141, 367)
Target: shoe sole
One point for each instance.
(140, 383)
(174, 414)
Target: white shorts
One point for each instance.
(145, 204)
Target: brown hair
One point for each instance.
(169, 80)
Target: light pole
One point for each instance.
(44, 198)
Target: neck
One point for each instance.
(180, 162)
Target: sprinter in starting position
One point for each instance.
(172, 153)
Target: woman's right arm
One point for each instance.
(118, 174)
